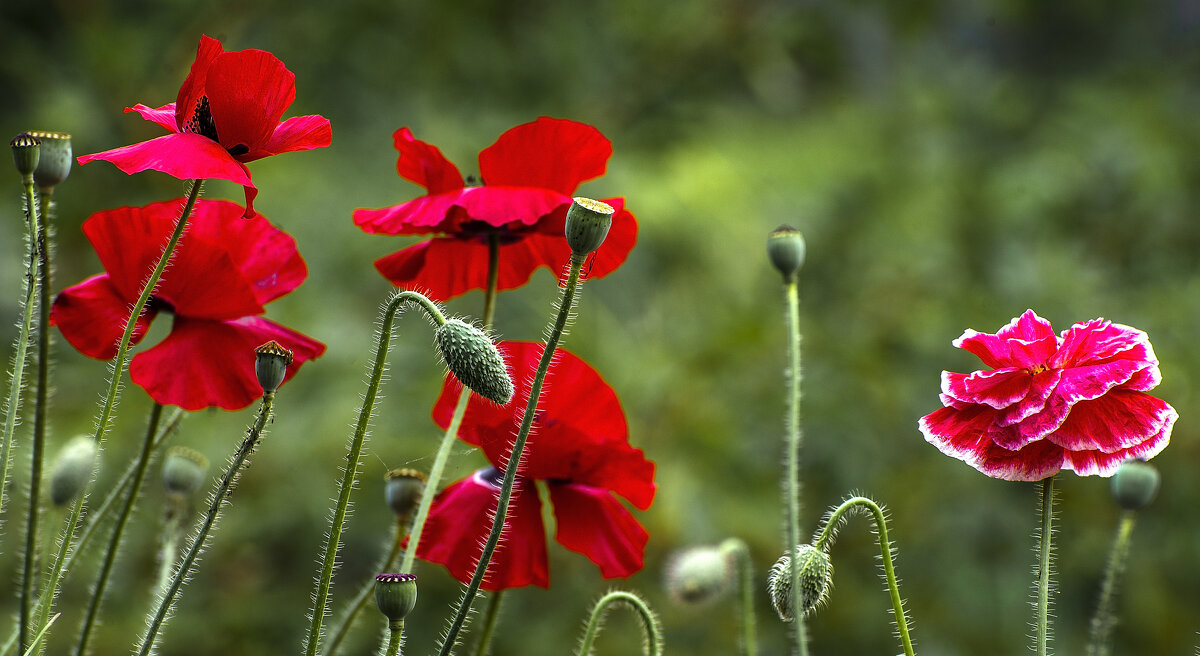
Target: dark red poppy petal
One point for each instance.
(551, 153)
(184, 155)
(501, 206)
(92, 317)
(420, 216)
(248, 91)
(1034, 462)
(1086, 463)
(594, 523)
(1099, 341)
(1027, 341)
(1117, 421)
(458, 525)
(443, 267)
(204, 363)
(164, 116)
(192, 89)
(296, 133)
(424, 164)
(998, 388)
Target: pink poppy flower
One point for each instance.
(529, 176)
(579, 448)
(222, 274)
(1074, 401)
(226, 114)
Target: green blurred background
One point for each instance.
(951, 164)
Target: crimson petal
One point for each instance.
(192, 89)
(552, 153)
(164, 116)
(184, 155)
(1117, 421)
(296, 133)
(92, 317)
(1026, 341)
(424, 164)
(248, 91)
(592, 522)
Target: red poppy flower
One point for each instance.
(227, 113)
(579, 448)
(529, 176)
(1074, 401)
(221, 275)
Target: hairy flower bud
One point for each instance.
(54, 163)
(1135, 484)
(395, 595)
(72, 469)
(588, 222)
(816, 571)
(184, 471)
(474, 360)
(26, 151)
(785, 247)
(403, 490)
(699, 575)
(271, 361)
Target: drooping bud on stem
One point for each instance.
(1135, 484)
(395, 595)
(699, 575)
(588, 222)
(271, 361)
(26, 152)
(816, 571)
(54, 163)
(785, 247)
(403, 490)
(72, 469)
(474, 360)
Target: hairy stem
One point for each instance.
(1045, 549)
(1102, 624)
(364, 593)
(650, 626)
(741, 554)
(792, 452)
(490, 617)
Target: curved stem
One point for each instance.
(825, 536)
(114, 542)
(489, 623)
(566, 303)
(1102, 624)
(1045, 549)
(792, 486)
(364, 593)
(653, 632)
(217, 501)
(350, 472)
(741, 553)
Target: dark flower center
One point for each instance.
(1038, 368)
(202, 124)
(493, 476)
(159, 304)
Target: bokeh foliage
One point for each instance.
(951, 164)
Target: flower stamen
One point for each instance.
(201, 122)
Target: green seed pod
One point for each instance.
(72, 469)
(26, 151)
(395, 595)
(816, 572)
(472, 357)
(699, 575)
(403, 490)
(1135, 484)
(271, 361)
(54, 163)
(785, 247)
(588, 222)
(184, 471)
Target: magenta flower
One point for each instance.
(1074, 401)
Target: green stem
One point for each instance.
(350, 472)
(792, 457)
(490, 616)
(1045, 549)
(1104, 620)
(879, 519)
(555, 334)
(650, 626)
(364, 593)
(114, 541)
(395, 638)
(741, 554)
(217, 501)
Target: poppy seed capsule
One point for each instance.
(588, 222)
(72, 469)
(1135, 484)
(271, 361)
(699, 575)
(474, 360)
(184, 470)
(26, 152)
(815, 574)
(403, 489)
(54, 162)
(395, 595)
(785, 247)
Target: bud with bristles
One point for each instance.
(72, 470)
(54, 163)
(474, 360)
(1135, 484)
(816, 571)
(395, 595)
(271, 361)
(184, 471)
(699, 575)
(403, 490)
(785, 247)
(588, 222)
(26, 150)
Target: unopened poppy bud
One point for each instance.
(395, 595)
(54, 162)
(816, 571)
(72, 469)
(588, 222)
(403, 490)
(26, 151)
(271, 361)
(785, 247)
(699, 575)
(184, 470)
(1135, 484)
(474, 360)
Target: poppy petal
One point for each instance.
(552, 153)
(420, 216)
(1086, 463)
(1116, 421)
(164, 116)
(204, 363)
(192, 89)
(500, 206)
(296, 133)
(998, 388)
(592, 522)
(184, 155)
(424, 164)
(1026, 341)
(248, 91)
(92, 316)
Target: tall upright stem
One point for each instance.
(737, 548)
(1045, 549)
(490, 617)
(794, 436)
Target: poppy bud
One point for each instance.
(72, 470)
(184, 470)
(54, 162)
(271, 361)
(588, 222)
(1135, 484)
(395, 595)
(815, 574)
(699, 575)
(472, 357)
(403, 490)
(785, 247)
(26, 151)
